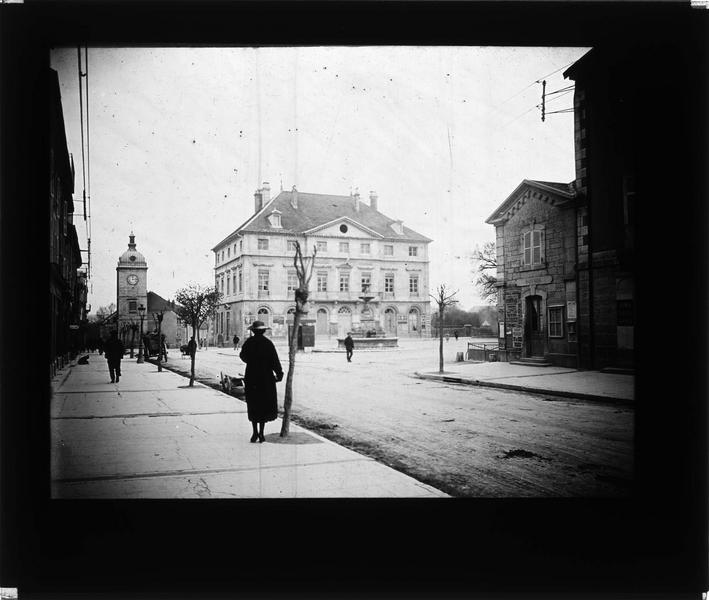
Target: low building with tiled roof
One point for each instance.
(358, 248)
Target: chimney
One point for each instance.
(258, 201)
(266, 192)
(356, 200)
(294, 198)
(373, 200)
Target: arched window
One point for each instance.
(345, 310)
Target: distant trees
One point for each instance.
(443, 298)
(103, 311)
(194, 304)
(485, 265)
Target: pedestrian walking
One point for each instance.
(192, 347)
(455, 333)
(114, 353)
(236, 341)
(349, 346)
(263, 370)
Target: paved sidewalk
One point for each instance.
(152, 436)
(558, 381)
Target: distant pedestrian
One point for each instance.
(448, 335)
(163, 347)
(236, 341)
(99, 345)
(349, 346)
(114, 353)
(455, 333)
(192, 347)
(220, 340)
(263, 370)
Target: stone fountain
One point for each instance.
(368, 333)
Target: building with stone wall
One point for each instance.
(536, 272)
(358, 248)
(67, 283)
(607, 93)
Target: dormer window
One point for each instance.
(275, 218)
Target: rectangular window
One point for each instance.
(389, 284)
(322, 281)
(292, 281)
(221, 284)
(228, 286)
(241, 245)
(413, 250)
(533, 248)
(263, 244)
(234, 249)
(228, 252)
(556, 325)
(366, 283)
(263, 281)
(388, 250)
(233, 282)
(132, 306)
(321, 246)
(291, 245)
(344, 282)
(345, 247)
(364, 248)
(414, 285)
(241, 281)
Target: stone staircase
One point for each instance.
(532, 361)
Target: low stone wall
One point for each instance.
(363, 343)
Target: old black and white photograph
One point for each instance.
(327, 272)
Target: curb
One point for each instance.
(521, 388)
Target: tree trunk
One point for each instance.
(440, 339)
(193, 355)
(288, 398)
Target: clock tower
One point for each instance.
(131, 284)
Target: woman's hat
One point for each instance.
(258, 325)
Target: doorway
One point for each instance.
(321, 322)
(533, 334)
(344, 321)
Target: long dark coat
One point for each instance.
(114, 351)
(262, 362)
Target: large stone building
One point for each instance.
(536, 272)
(566, 252)
(67, 284)
(358, 248)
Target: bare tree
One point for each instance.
(194, 305)
(304, 271)
(443, 298)
(485, 262)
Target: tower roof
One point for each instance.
(132, 257)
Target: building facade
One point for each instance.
(536, 272)
(606, 100)
(131, 287)
(67, 285)
(361, 253)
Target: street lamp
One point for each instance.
(158, 317)
(141, 311)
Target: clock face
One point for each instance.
(132, 279)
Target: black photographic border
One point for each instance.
(654, 542)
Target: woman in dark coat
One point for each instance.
(262, 362)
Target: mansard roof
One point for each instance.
(558, 193)
(316, 210)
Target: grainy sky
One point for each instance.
(180, 138)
